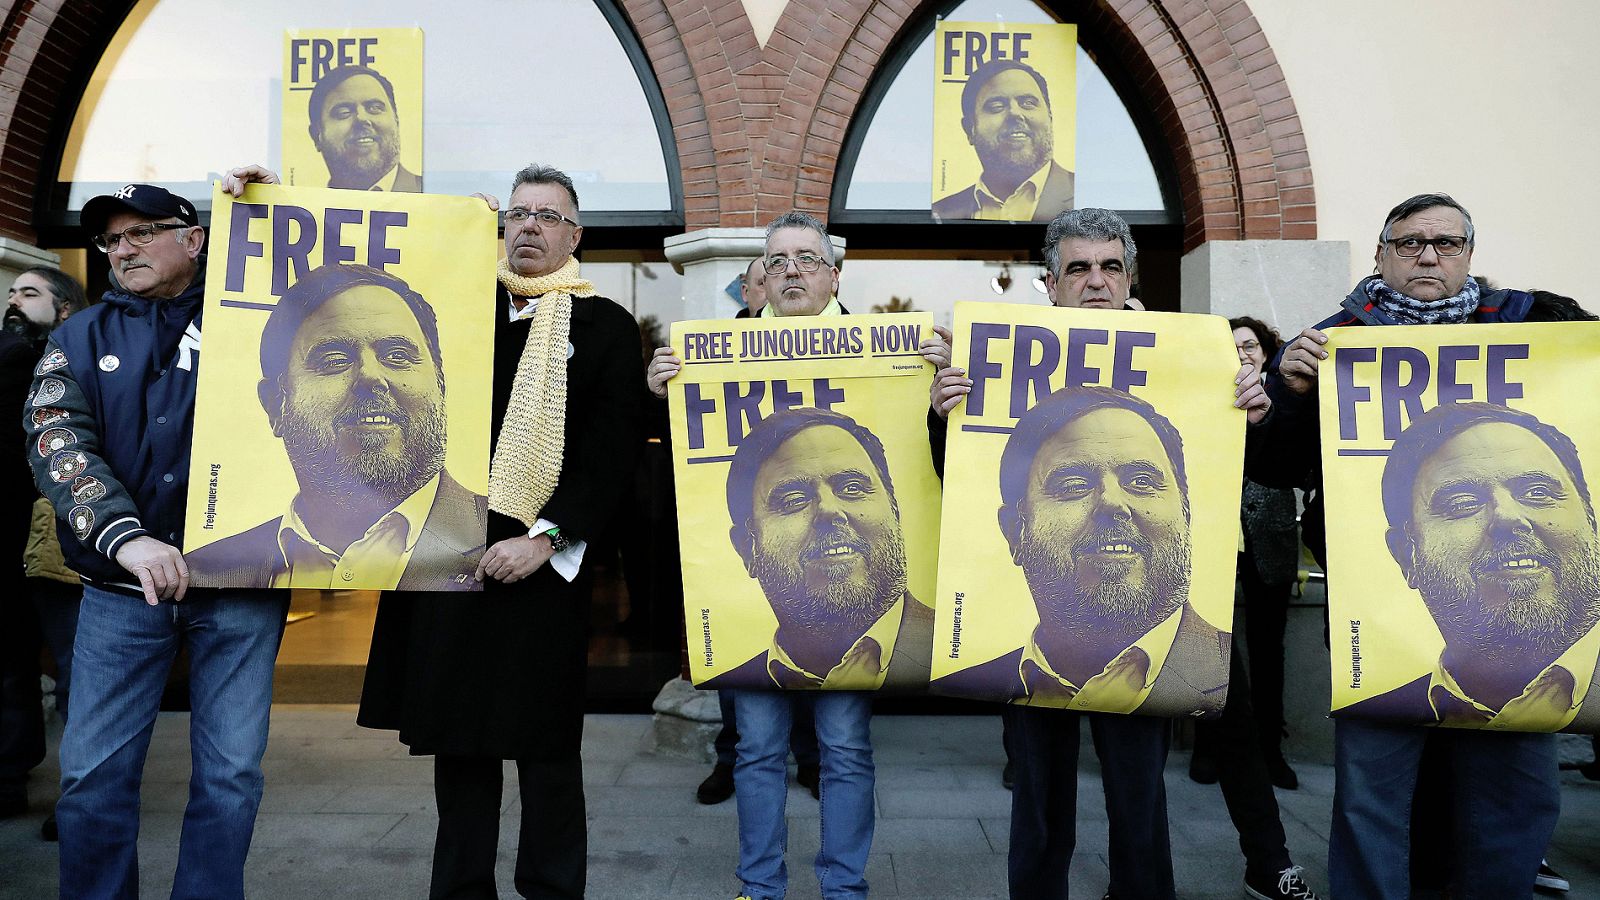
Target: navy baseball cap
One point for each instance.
(144, 199)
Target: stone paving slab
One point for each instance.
(348, 813)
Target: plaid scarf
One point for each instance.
(1411, 311)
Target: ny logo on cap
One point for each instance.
(126, 193)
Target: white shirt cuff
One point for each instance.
(566, 562)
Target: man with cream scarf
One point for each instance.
(474, 680)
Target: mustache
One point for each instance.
(1121, 533)
(355, 414)
(833, 540)
(1496, 557)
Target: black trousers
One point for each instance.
(1231, 740)
(1044, 802)
(552, 847)
(1266, 615)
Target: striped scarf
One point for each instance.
(1411, 311)
(527, 457)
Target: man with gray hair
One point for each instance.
(1090, 256)
(476, 680)
(1503, 786)
(802, 280)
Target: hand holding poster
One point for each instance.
(807, 501)
(352, 109)
(1091, 513)
(1004, 121)
(328, 452)
(1464, 568)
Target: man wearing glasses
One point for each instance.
(109, 422)
(478, 680)
(802, 280)
(1503, 786)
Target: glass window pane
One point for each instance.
(189, 87)
(895, 166)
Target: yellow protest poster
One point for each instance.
(1463, 564)
(341, 430)
(352, 109)
(1004, 120)
(1091, 511)
(808, 507)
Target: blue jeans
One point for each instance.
(121, 657)
(1504, 794)
(844, 739)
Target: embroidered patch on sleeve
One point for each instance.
(67, 465)
(81, 518)
(55, 439)
(52, 361)
(50, 390)
(87, 489)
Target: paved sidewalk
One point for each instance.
(349, 814)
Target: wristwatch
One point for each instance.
(558, 541)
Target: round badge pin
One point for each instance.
(109, 363)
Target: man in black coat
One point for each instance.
(478, 679)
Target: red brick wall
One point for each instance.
(758, 130)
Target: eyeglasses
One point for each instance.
(547, 218)
(1250, 346)
(137, 235)
(1412, 247)
(805, 262)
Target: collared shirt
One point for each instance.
(1121, 686)
(832, 309)
(1019, 206)
(862, 668)
(386, 183)
(1549, 703)
(567, 562)
(377, 558)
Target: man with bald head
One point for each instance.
(753, 288)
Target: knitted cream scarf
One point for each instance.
(527, 457)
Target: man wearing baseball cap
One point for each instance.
(109, 421)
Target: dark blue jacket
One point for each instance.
(109, 423)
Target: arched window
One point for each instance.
(190, 87)
(887, 165)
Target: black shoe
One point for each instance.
(48, 829)
(1549, 880)
(717, 787)
(1202, 769)
(809, 776)
(1282, 776)
(1284, 885)
(1008, 775)
(13, 802)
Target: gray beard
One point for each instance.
(1547, 624)
(1054, 582)
(1010, 167)
(840, 605)
(369, 475)
(344, 173)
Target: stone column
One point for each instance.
(16, 256)
(1287, 284)
(709, 259)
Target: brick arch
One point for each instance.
(759, 130)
